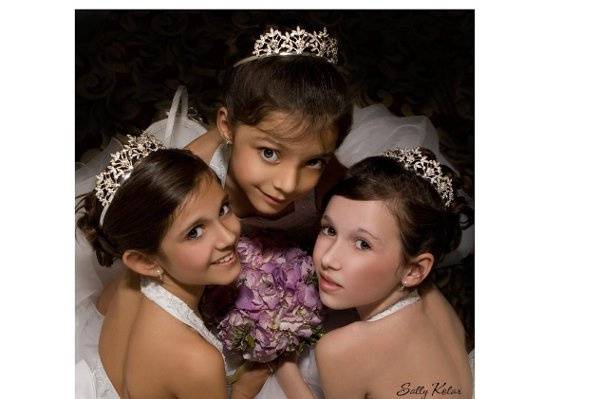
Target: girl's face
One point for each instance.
(272, 166)
(199, 247)
(357, 254)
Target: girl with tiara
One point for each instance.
(281, 137)
(286, 109)
(286, 130)
(163, 213)
(387, 223)
(275, 142)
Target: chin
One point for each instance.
(334, 303)
(227, 277)
(262, 207)
(268, 210)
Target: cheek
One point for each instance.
(238, 165)
(188, 262)
(233, 225)
(368, 279)
(319, 249)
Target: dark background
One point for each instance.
(128, 65)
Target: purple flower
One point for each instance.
(278, 308)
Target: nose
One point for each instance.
(228, 233)
(286, 180)
(330, 258)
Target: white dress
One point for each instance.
(91, 380)
(374, 131)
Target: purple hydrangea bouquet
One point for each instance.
(277, 308)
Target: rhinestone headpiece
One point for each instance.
(413, 160)
(295, 42)
(121, 166)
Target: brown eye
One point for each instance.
(362, 245)
(315, 163)
(225, 210)
(328, 231)
(195, 233)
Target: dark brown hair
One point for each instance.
(142, 208)
(425, 223)
(310, 89)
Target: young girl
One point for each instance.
(284, 113)
(386, 225)
(163, 213)
(275, 142)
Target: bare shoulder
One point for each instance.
(440, 310)
(205, 145)
(198, 371)
(337, 352)
(342, 339)
(165, 355)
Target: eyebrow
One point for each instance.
(326, 218)
(362, 230)
(202, 220)
(266, 136)
(325, 155)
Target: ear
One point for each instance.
(223, 125)
(141, 263)
(417, 270)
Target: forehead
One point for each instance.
(373, 216)
(293, 131)
(201, 203)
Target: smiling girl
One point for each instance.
(163, 213)
(282, 117)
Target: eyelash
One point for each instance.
(329, 231)
(320, 165)
(367, 245)
(320, 162)
(263, 149)
(224, 210)
(226, 206)
(325, 228)
(190, 235)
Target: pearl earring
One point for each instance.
(403, 286)
(160, 274)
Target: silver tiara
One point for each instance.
(295, 42)
(121, 167)
(412, 159)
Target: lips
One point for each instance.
(327, 284)
(225, 260)
(273, 200)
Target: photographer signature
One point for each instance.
(434, 389)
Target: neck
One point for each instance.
(186, 293)
(369, 310)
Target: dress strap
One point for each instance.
(408, 300)
(219, 162)
(177, 309)
(180, 97)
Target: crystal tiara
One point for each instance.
(413, 160)
(121, 167)
(295, 42)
